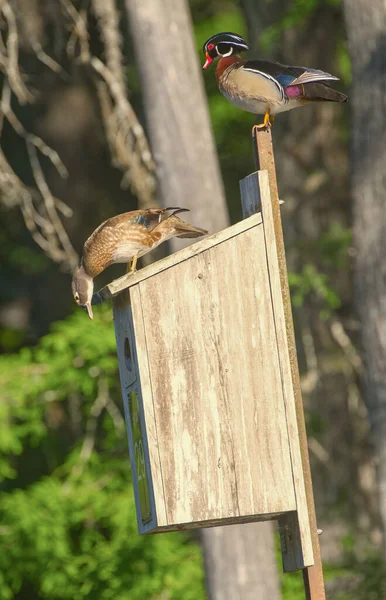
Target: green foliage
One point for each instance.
(76, 537)
(344, 62)
(373, 577)
(360, 579)
(229, 19)
(311, 283)
(299, 11)
(334, 245)
(328, 257)
(68, 526)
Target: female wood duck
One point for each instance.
(263, 87)
(123, 239)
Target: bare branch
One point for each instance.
(44, 58)
(49, 202)
(99, 404)
(40, 227)
(108, 18)
(127, 141)
(309, 381)
(126, 136)
(79, 32)
(343, 340)
(14, 77)
(102, 401)
(115, 414)
(126, 111)
(31, 138)
(318, 450)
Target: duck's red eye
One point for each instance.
(210, 46)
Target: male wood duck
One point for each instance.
(263, 87)
(123, 239)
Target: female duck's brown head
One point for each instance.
(223, 45)
(82, 289)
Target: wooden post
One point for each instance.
(264, 159)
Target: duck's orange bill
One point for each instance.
(208, 61)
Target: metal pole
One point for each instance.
(264, 160)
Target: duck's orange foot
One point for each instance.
(267, 123)
(132, 265)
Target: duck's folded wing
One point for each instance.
(150, 217)
(286, 75)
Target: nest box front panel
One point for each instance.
(134, 386)
(215, 391)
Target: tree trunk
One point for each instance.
(366, 27)
(176, 112)
(239, 559)
(240, 562)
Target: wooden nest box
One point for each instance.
(207, 388)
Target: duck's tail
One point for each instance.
(187, 230)
(321, 92)
(174, 226)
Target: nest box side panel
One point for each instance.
(148, 407)
(136, 393)
(295, 526)
(215, 377)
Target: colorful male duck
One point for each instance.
(263, 87)
(123, 239)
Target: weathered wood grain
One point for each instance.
(250, 195)
(256, 188)
(313, 576)
(124, 337)
(131, 379)
(128, 280)
(217, 393)
(147, 395)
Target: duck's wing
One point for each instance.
(151, 217)
(286, 75)
(118, 227)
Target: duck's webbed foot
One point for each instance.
(267, 123)
(133, 265)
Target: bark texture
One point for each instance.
(240, 562)
(366, 27)
(176, 110)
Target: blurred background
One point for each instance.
(104, 109)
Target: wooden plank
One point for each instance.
(295, 532)
(250, 195)
(216, 384)
(144, 498)
(292, 560)
(129, 280)
(124, 340)
(239, 520)
(313, 575)
(148, 408)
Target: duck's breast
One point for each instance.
(126, 250)
(251, 91)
